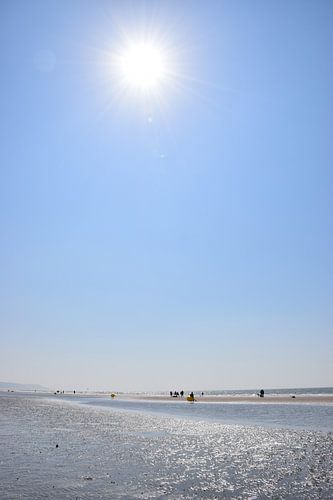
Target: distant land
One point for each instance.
(22, 387)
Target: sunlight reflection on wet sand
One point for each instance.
(103, 453)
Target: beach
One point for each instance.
(58, 447)
(307, 399)
(166, 215)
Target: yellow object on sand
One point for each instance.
(189, 398)
(113, 395)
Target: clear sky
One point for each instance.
(179, 237)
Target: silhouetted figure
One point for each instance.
(181, 394)
(74, 392)
(191, 394)
(202, 394)
(262, 393)
(171, 393)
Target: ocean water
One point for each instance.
(61, 449)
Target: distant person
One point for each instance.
(170, 393)
(74, 392)
(202, 394)
(262, 393)
(192, 395)
(181, 394)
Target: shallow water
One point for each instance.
(290, 415)
(108, 453)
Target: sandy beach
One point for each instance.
(238, 398)
(322, 399)
(59, 448)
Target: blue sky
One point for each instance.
(184, 241)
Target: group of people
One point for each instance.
(177, 394)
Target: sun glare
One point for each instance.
(142, 66)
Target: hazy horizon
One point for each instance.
(107, 389)
(166, 194)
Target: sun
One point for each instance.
(142, 66)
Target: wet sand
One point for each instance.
(283, 399)
(322, 399)
(56, 448)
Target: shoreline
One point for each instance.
(55, 447)
(322, 399)
(225, 399)
(234, 398)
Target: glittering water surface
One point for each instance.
(107, 453)
(290, 415)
